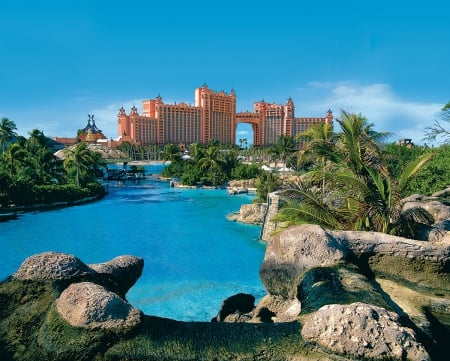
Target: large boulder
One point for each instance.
(298, 249)
(252, 213)
(90, 305)
(363, 331)
(398, 258)
(273, 308)
(236, 308)
(432, 205)
(291, 252)
(52, 266)
(120, 273)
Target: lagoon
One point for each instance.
(194, 257)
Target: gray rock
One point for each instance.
(52, 266)
(277, 309)
(236, 306)
(442, 193)
(343, 284)
(120, 273)
(92, 306)
(291, 252)
(252, 213)
(363, 330)
(368, 243)
(438, 210)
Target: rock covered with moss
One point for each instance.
(52, 266)
(70, 311)
(118, 274)
(99, 301)
(342, 281)
(331, 296)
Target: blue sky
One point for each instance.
(61, 60)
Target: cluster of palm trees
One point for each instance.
(348, 184)
(30, 173)
(209, 164)
(243, 143)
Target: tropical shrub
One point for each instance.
(246, 171)
(434, 176)
(350, 186)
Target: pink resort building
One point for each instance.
(212, 117)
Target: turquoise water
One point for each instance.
(194, 257)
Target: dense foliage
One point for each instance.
(210, 165)
(349, 184)
(432, 177)
(31, 174)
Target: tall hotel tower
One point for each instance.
(213, 117)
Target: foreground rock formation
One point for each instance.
(331, 295)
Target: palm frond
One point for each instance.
(412, 168)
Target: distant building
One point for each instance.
(269, 121)
(66, 141)
(90, 133)
(213, 117)
(405, 142)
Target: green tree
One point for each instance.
(211, 164)
(319, 146)
(79, 160)
(396, 156)
(266, 183)
(355, 190)
(284, 148)
(196, 151)
(246, 171)
(171, 153)
(434, 176)
(41, 158)
(14, 157)
(437, 130)
(7, 132)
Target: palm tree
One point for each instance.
(196, 151)
(358, 144)
(210, 159)
(319, 149)
(80, 159)
(319, 145)
(284, 148)
(171, 153)
(41, 158)
(7, 132)
(357, 191)
(266, 182)
(14, 156)
(213, 166)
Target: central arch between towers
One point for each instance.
(255, 122)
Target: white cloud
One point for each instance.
(242, 132)
(380, 105)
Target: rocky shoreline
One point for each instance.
(331, 295)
